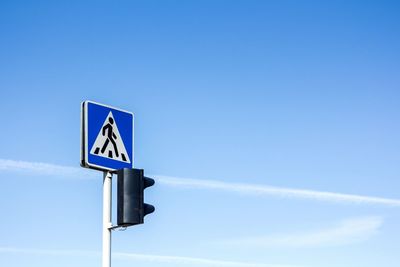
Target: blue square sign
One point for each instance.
(107, 137)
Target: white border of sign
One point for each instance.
(84, 136)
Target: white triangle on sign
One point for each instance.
(108, 143)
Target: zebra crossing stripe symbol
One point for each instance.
(109, 143)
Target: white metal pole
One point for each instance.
(106, 260)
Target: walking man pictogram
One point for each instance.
(109, 143)
(111, 137)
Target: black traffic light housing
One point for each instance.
(131, 208)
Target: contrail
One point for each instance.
(38, 168)
(176, 260)
(193, 261)
(265, 190)
(48, 169)
(348, 231)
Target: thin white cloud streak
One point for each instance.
(194, 261)
(265, 190)
(47, 252)
(348, 231)
(38, 168)
(162, 259)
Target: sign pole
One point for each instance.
(107, 145)
(106, 259)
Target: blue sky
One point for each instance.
(271, 128)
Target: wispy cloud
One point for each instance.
(176, 260)
(194, 261)
(345, 232)
(47, 252)
(40, 168)
(265, 190)
(54, 170)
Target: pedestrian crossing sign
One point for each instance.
(107, 137)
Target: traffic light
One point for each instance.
(130, 192)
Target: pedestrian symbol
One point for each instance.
(109, 143)
(107, 137)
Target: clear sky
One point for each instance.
(271, 128)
